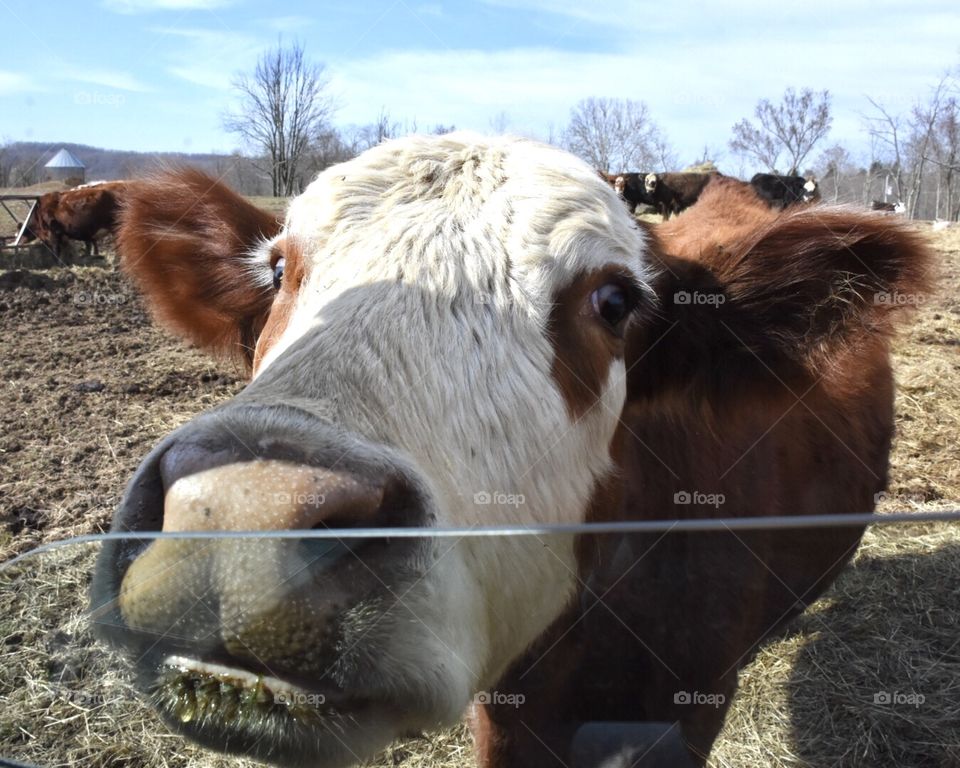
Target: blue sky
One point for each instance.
(155, 74)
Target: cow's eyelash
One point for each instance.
(259, 265)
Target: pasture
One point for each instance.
(89, 385)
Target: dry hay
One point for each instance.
(88, 388)
(870, 675)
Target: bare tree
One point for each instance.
(792, 127)
(911, 142)
(384, 128)
(284, 107)
(328, 148)
(24, 173)
(886, 130)
(834, 165)
(923, 123)
(6, 163)
(499, 123)
(708, 157)
(664, 156)
(945, 156)
(616, 135)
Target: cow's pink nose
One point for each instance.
(269, 495)
(213, 491)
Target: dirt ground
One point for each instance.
(89, 384)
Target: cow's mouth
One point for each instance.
(200, 692)
(261, 716)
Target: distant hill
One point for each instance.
(24, 163)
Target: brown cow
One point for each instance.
(451, 331)
(671, 193)
(86, 213)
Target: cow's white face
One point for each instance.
(456, 306)
(433, 271)
(650, 182)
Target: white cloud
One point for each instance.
(121, 81)
(605, 14)
(210, 58)
(430, 9)
(16, 82)
(629, 17)
(147, 6)
(695, 92)
(288, 23)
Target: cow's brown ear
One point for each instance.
(774, 295)
(186, 239)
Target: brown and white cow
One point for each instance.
(444, 325)
(632, 188)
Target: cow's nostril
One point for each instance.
(185, 459)
(392, 504)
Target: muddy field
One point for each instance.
(89, 385)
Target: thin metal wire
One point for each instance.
(622, 526)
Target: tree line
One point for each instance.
(285, 111)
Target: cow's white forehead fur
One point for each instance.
(432, 265)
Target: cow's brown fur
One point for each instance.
(583, 347)
(192, 236)
(781, 399)
(283, 305)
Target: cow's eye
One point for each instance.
(612, 303)
(278, 273)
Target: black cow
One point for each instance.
(782, 191)
(671, 193)
(879, 205)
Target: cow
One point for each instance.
(782, 191)
(671, 193)
(457, 331)
(84, 213)
(880, 205)
(31, 227)
(630, 186)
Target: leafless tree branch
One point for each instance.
(284, 108)
(793, 127)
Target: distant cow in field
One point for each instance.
(31, 228)
(449, 314)
(782, 191)
(671, 193)
(880, 205)
(85, 213)
(631, 188)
